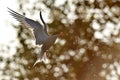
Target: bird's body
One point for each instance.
(40, 36)
(40, 32)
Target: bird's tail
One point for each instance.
(37, 61)
(40, 58)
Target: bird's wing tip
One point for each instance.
(9, 9)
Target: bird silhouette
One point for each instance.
(40, 32)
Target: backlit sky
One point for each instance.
(7, 32)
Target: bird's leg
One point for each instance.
(47, 53)
(45, 56)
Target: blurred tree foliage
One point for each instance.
(79, 54)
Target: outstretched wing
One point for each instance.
(39, 32)
(45, 25)
(25, 21)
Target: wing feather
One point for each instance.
(25, 21)
(39, 32)
(45, 25)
